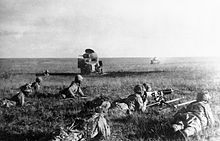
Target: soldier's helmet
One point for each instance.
(147, 87)
(78, 78)
(139, 89)
(203, 96)
(39, 79)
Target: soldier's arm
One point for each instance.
(141, 104)
(209, 115)
(212, 119)
(80, 92)
(145, 105)
(149, 94)
(21, 99)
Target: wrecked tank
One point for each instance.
(89, 63)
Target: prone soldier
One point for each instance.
(33, 88)
(74, 89)
(93, 127)
(134, 102)
(194, 118)
(25, 90)
(16, 100)
(36, 85)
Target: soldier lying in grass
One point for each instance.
(196, 117)
(16, 100)
(25, 90)
(88, 128)
(33, 88)
(74, 89)
(37, 84)
(134, 102)
(94, 103)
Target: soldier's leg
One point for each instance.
(8, 103)
(21, 97)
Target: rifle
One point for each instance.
(74, 98)
(183, 104)
(164, 102)
(174, 107)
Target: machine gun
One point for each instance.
(159, 97)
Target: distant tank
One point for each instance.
(89, 62)
(154, 60)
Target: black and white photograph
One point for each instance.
(109, 70)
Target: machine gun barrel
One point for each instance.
(166, 91)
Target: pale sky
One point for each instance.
(113, 28)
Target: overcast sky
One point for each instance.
(113, 28)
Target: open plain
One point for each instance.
(41, 116)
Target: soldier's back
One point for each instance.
(35, 86)
(133, 101)
(72, 90)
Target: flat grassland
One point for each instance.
(41, 116)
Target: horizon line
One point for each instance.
(109, 57)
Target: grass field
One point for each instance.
(41, 117)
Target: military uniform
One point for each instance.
(74, 89)
(26, 89)
(98, 128)
(18, 98)
(95, 128)
(194, 118)
(136, 103)
(31, 89)
(36, 87)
